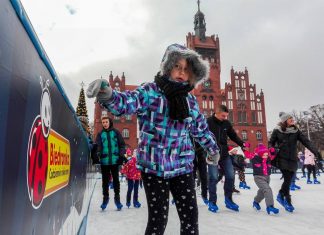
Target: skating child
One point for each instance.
(261, 172)
(168, 115)
(110, 149)
(133, 176)
(239, 163)
(310, 165)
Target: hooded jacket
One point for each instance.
(164, 146)
(110, 146)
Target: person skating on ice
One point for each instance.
(168, 115)
(133, 176)
(239, 163)
(261, 163)
(284, 138)
(222, 129)
(111, 150)
(310, 165)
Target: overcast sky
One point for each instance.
(279, 41)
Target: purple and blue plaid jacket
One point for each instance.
(164, 147)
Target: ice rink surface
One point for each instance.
(308, 218)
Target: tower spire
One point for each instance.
(200, 24)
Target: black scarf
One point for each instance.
(176, 94)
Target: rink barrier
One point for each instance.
(46, 178)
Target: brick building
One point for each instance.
(246, 106)
(127, 125)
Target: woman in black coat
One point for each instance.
(284, 139)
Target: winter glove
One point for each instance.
(101, 89)
(272, 151)
(245, 146)
(213, 159)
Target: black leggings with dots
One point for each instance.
(157, 192)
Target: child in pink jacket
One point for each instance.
(261, 162)
(133, 176)
(310, 165)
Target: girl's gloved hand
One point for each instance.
(100, 89)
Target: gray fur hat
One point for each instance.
(174, 52)
(284, 116)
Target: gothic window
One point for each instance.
(252, 95)
(244, 135)
(244, 117)
(116, 118)
(230, 116)
(243, 83)
(125, 133)
(259, 106)
(128, 117)
(241, 94)
(260, 118)
(241, 117)
(254, 118)
(211, 102)
(204, 102)
(241, 105)
(230, 95)
(259, 135)
(252, 105)
(230, 104)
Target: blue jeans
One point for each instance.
(212, 182)
(215, 174)
(132, 184)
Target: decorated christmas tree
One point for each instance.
(81, 109)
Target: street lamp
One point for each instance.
(306, 113)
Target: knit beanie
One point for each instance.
(284, 116)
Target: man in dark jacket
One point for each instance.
(111, 150)
(222, 129)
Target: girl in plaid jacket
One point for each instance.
(168, 114)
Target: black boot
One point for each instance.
(235, 190)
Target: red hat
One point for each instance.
(261, 149)
(128, 152)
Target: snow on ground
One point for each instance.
(308, 217)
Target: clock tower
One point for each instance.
(208, 93)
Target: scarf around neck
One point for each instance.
(288, 130)
(176, 94)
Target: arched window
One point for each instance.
(116, 118)
(125, 133)
(128, 117)
(211, 102)
(204, 102)
(259, 135)
(244, 135)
